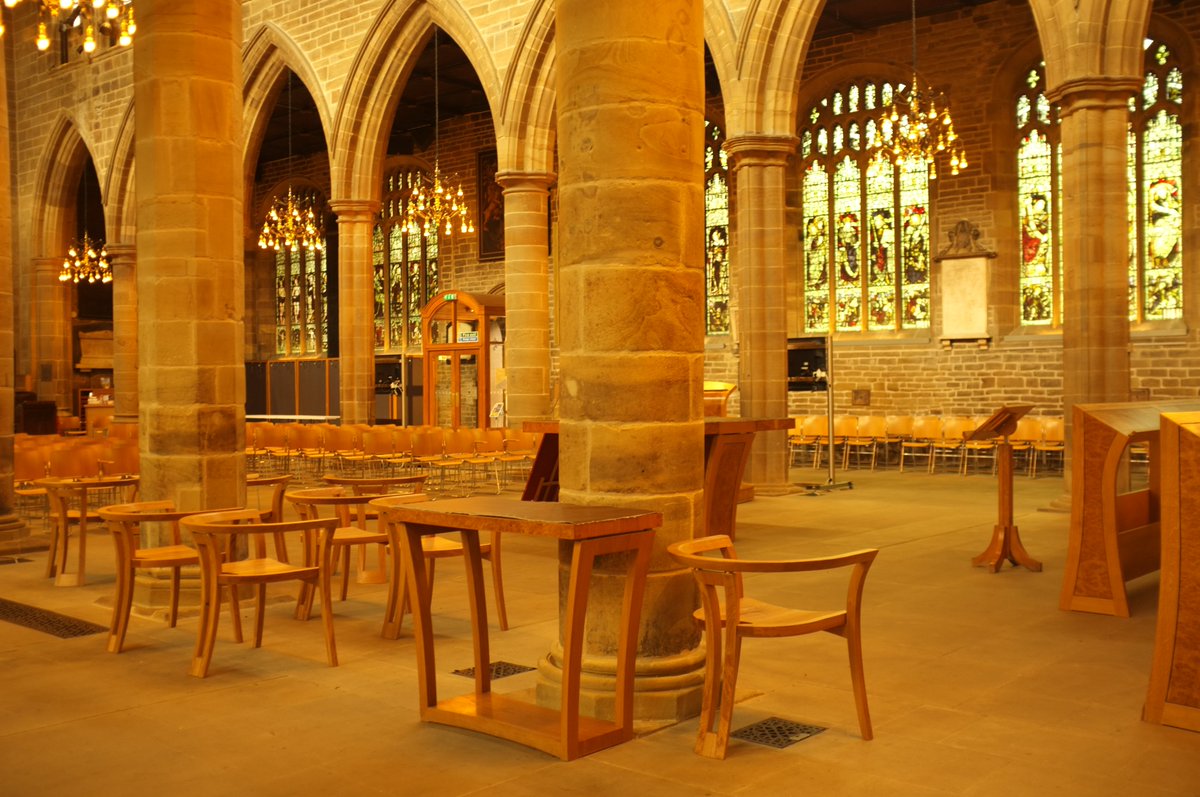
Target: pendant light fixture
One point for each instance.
(292, 223)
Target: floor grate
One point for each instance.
(45, 621)
(776, 732)
(500, 669)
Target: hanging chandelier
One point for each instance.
(94, 17)
(86, 261)
(292, 223)
(432, 207)
(913, 128)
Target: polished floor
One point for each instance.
(979, 684)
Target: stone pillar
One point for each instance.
(1094, 119)
(52, 334)
(125, 333)
(630, 131)
(526, 295)
(758, 167)
(356, 295)
(187, 86)
(12, 528)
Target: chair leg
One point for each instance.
(716, 745)
(712, 685)
(260, 605)
(235, 609)
(206, 638)
(345, 570)
(858, 681)
(498, 581)
(396, 588)
(327, 615)
(122, 608)
(174, 618)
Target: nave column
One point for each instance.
(123, 258)
(356, 297)
(526, 295)
(758, 166)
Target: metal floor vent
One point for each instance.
(500, 669)
(45, 621)
(776, 732)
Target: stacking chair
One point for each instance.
(1028, 433)
(728, 617)
(950, 443)
(925, 429)
(975, 450)
(1052, 444)
(125, 523)
(216, 535)
(869, 432)
(815, 435)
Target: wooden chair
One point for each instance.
(125, 523)
(975, 450)
(950, 443)
(1052, 445)
(272, 512)
(925, 429)
(216, 533)
(1029, 432)
(434, 547)
(868, 432)
(729, 617)
(351, 508)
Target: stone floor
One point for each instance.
(979, 684)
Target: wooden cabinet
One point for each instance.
(463, 343)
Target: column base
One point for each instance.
(152, 593)
(665, 689)
(17, 538)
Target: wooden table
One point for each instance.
(61, 492)
(592, 531)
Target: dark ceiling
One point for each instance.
(461, 93)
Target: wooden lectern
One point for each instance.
(1006, 542)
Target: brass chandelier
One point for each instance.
(434, 208)
(87, 259)
(292, 223)
(107, 17)
(913, 128)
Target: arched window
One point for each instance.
(1155, 167)
(716, 231)
(301, 292)
(1039, 184)
(405, 266)
(865, 221)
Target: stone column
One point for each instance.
(12, 529)
(758, 167)
(526, 295)
(630, 131)
(125, 333)
(187, 86)
(52, 334)
(356, 295)
(1094, 118)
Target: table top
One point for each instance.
(536, 518)
(88, 482)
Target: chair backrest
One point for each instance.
(927, 427)
(845, 426)
(1053, 430)
(459, 441)
(489, 441)
(725, 570)
(427, 443)
(873, 426)
(1029, 430)
(816, 426)
(348, 507)
(278, 485)
(954, 427)
(125, 522)
(900, 426)
(75, 459)
(214, 532)
(379, 485)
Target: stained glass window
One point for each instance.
(1155, 165)
(1039, 158)
(716, 231)
(865, 222)
(301, 294)
(405, 266)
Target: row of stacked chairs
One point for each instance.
(458, 461)
(933, 441)
(74, 457)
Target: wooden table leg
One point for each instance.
(477, 599)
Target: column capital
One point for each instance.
(755, 149)
(525, 181)
(355, 210)
(1093, 93)
(126, 253)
